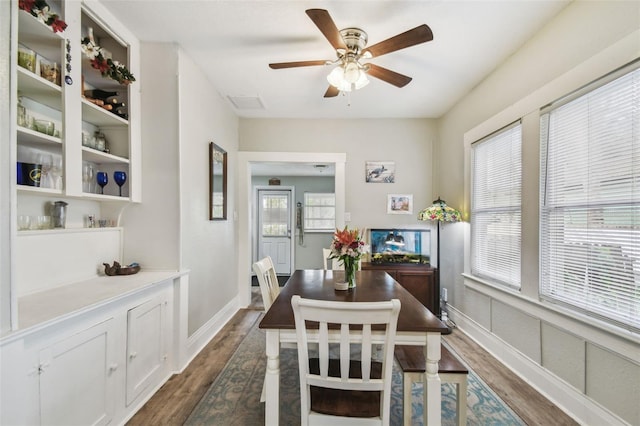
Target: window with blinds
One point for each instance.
(319, 212)
(495, 206)
(590, 201)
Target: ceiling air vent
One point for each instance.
(246, 102)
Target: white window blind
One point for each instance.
(590, 204)
(495, 207)
(275, 215)
(319, 212)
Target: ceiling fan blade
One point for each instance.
(325, 24)
(331, 92)
(420, 34)
(279, 65)
(391, 77)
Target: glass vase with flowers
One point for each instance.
(348, 247)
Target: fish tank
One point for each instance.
(401, 246)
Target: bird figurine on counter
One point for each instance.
(117, 269)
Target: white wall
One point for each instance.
(208, 247)
(153, 226)
(170, 229)
(571, 360)
(7, 164)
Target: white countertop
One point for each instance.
(44, 308)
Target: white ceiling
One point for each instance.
(234, 41)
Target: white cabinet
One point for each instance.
(61, 376)
(94, 366)
(77, 378)
(146, 346)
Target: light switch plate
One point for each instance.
(347, 216)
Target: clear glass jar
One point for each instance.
(101, 141)
(22, 113)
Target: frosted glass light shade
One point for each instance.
(338, 79)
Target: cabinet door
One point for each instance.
(77, 380)
(146, 353)
(421, 284)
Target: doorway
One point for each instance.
(274, 227)
(246, 203)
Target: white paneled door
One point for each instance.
(274, 227)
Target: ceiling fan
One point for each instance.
(351, 47)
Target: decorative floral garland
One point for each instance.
(107, 67)
(40, 9)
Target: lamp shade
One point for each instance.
(439, 211)
(347, 79)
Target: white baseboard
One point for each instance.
(198, 340)
(574, 403)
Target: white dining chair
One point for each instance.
(335, 263)
(269, 288)
(325, 258)
(268, 280)
(344, 390)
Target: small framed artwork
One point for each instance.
(400, 204)
(217, 182)
(380, 171)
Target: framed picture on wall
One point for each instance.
(400, 204)
(217, 182)
(380, 171)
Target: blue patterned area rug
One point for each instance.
(234, 397)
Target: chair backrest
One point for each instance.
(268, 280)
(344, 314)
(335, 263)
(325, 258)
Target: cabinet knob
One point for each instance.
(132, 355)
(113, 367)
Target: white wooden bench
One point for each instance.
(450, 369)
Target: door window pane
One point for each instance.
(275, 219)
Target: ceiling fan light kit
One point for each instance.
(350, 46)
(348, 77)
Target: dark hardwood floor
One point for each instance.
(173, 403)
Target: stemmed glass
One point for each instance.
(46, 162)
(120, 177)
(56, 172)
(87, 177)
(102, 179)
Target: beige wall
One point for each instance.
(585, 41)
(408, 142)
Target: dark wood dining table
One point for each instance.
(416, 326)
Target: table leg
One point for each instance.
(432, 397)
(272, 379)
